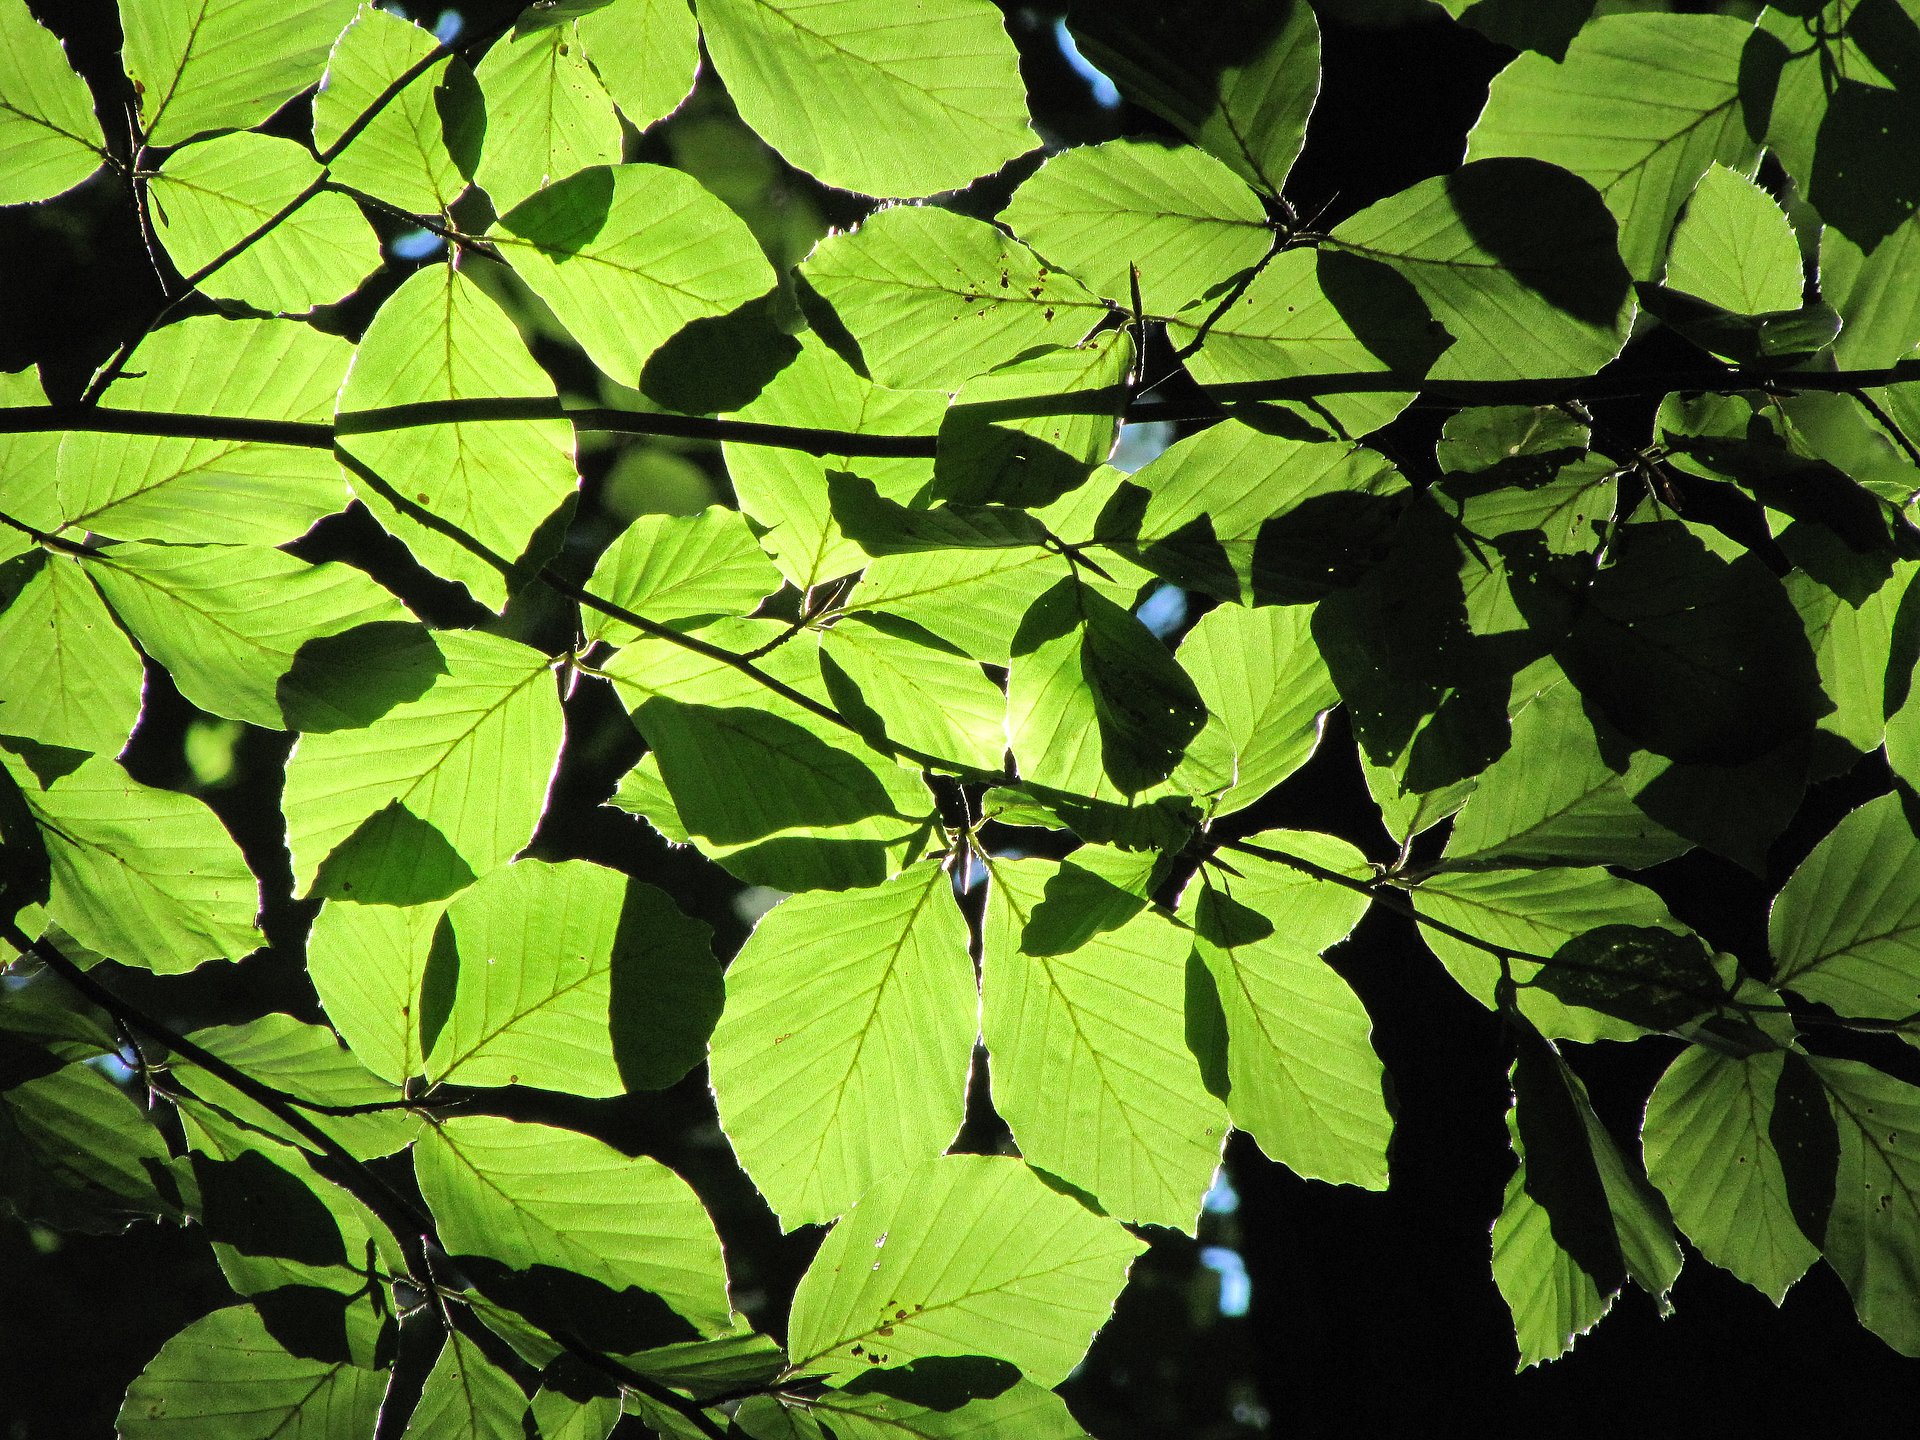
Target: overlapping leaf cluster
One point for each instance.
(907, 665)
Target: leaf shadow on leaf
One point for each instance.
(1543, 25)
(1422, 689)
(1562, 1175)
(1564, 261)
(1384, 310)
(1206, 1027)
(1075, 906)
(349, 680)
(463, 116)
(720, 362)
(1065, 1187)
(614, 1322)
(261, 1209)
(319, 1324)
(738, 775)
(1807, 1139)
(939, 1382)
(49, 763)
(1657, 979)
(826, 323)
(881, 526)
(1864, 183)
(665, 990)
(393, 858)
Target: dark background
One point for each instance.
(1369, 1314)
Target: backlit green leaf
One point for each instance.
(933, 297)
(572, 977)
(229, 621)
(494, 712)
(1640, 107)
(819, 78)
(1266, 690)
(1088, 1052)
(965, 1255)
(922, 693)
(47, 127)
(1515, 258)
(680, 567)
(410, 154)
(535, 1198)
(1534, 912)
(201, 65)
(1846, 929)
(1303, 1078)
(1872, 1239)
(71, 678)
(832, 1004)
(440, 338)
(646, 53)
(81, 1152)
(369, 964)
(1710, 1147)
(209, 197)
(1179, 216)
(225, 1378)
(221, 492)
(467, 1395)
(547, 115)
(1734, 248)
(627, 254)
(146, 876)
(1023, 1409)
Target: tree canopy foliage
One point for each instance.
(1577, 482)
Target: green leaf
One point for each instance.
(1845, 930)
(965, 1255)
(415, 152)
(306, 1062)
(1734, 248)
(818, 79)
(1853, 640)
(1867, 286)
(1872, 1238)
(787, 490)
(467, 1395)
(537, 1199)
(547, 114)
(1578, 1221)
(574, 978)
(81, 1153)
(831, 1003)
(1094, 697)
(146, 876)
(1302, 1075)
(1335, 322)
(932, 297)
(1266, 691)
(1088, 1051)
(369, 964)
(1022, 1408)
(1710, 1145)
(201, 65)
(628, 254)
(494, 712)
(678, 568)
(26, 460)
(646, 53)
(1553, 799)
(220, 492)
(1177, 215)
(47, 127)
(439, 337)
(71, 678)
(1640, 108)
(1516, 259)
(918, 690)
(229, 622)
(1264, 519)
(209, 197)
(1534, 912)
(225, 1378)
(1237, 79)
